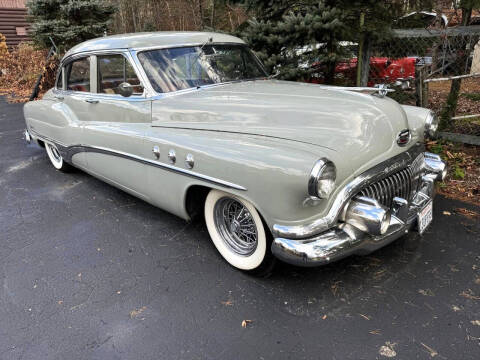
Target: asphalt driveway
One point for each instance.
(89, 272)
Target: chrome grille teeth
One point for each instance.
(402, 184)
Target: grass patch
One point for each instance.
(472, 96)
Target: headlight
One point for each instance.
(431, 125)
(322, 179)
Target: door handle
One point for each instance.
(91, 101)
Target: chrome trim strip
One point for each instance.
(352, 188)
(67, 153)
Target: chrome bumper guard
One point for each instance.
(347, 238)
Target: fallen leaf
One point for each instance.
(119, 292)
(447, 213)
(467, 213)
(432, 352)
(455, 308)
(324, 317)
(134, 313)
(426, 292)
(245, 322)
(227, 303)
(364, 316)
(475, 322)
(387, 350)
(375, 332)
(469, 295)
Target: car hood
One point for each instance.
(361, 126)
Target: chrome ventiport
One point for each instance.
(189, 161)
(434, 164)
(156, 152)
(172, 156)
(367, 215)
(28, 138)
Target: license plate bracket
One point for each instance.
(425, 217)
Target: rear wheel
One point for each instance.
(238, 233)
(56, 159)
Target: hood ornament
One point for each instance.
(382, 90)
(403, 137)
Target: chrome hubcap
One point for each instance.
(236, 226)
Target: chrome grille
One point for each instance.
(403, 183)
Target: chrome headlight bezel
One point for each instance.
(322, 179)
(431, 125)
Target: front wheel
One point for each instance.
(238, 233)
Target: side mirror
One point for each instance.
(125, 89)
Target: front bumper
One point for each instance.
(343, 239)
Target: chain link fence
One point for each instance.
(420, 65)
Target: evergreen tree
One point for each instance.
(289, 36)
(68, 22)
(281, 28)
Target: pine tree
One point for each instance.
(289, 36)
(281, 28)
(68, 22)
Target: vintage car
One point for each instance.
(191, 123)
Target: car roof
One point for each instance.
(151, 39)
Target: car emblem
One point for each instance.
(403, 138)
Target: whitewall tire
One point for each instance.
(237, 231)
(55, 157)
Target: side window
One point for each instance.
(59, 80)
(78, 75)
(114, 70)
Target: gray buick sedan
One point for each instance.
(191, 123)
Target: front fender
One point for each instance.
(416, 120)
(274, 172)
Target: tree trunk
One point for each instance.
(330, 74)
(364, 66)
(439, 41)
(450, 107)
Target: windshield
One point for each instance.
(186, 67)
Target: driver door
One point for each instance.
(114, 127)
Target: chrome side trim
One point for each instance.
(67, 152)
(344, 195)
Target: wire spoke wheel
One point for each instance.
(237, 231)
(236, 226)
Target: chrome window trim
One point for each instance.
(93, 75)
(128, 57)
(149, 92)
(346, 193)
(64, 64)
(67, 152)
(156, 95)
